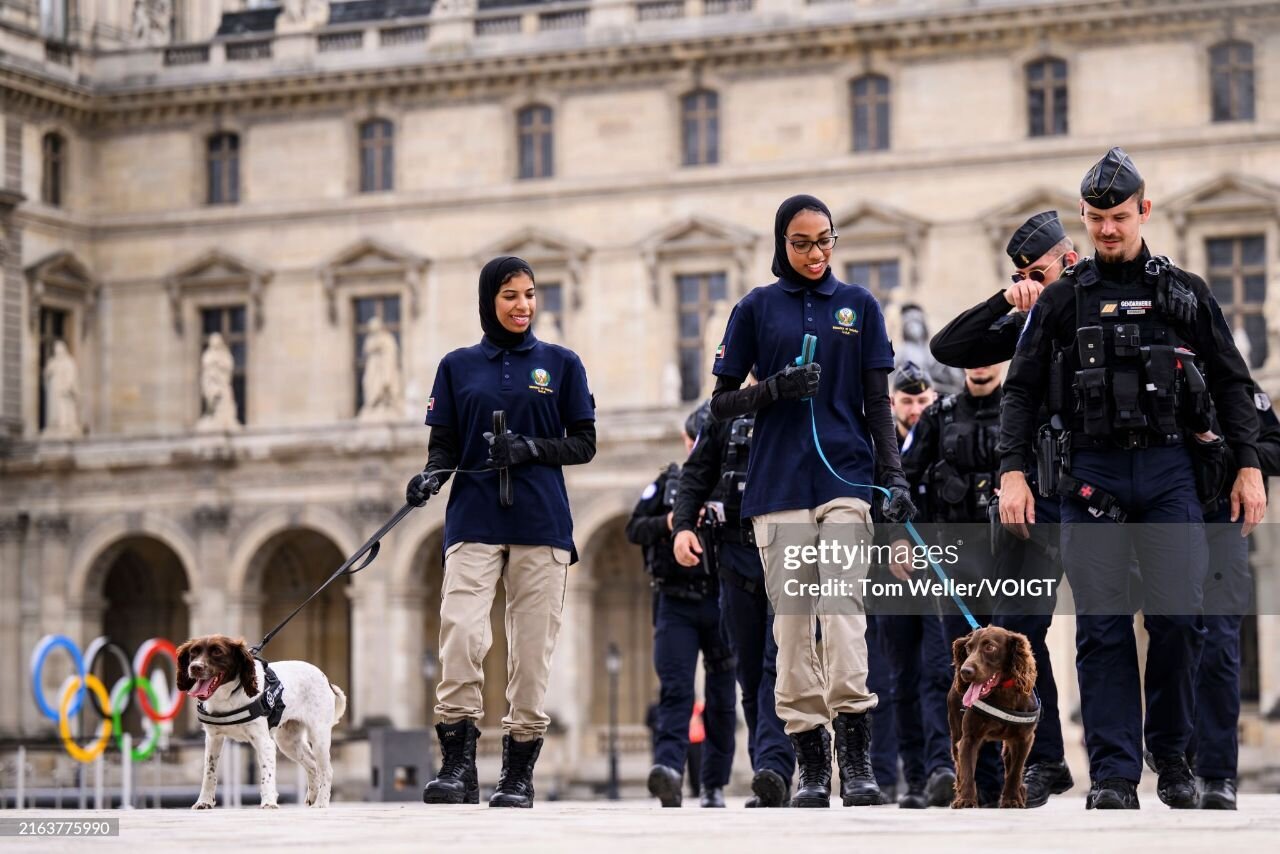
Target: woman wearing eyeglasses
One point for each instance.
(795, 501)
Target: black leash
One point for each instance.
(371, 546)
(505, 498)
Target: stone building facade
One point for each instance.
(283, 173)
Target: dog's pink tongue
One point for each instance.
(978, 690)
(204, 688)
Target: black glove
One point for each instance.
(897, 508)
(1175, 300)
(422, 486)
(795, 382)
(510, 449)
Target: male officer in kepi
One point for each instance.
(1115, 344)
(916, 653)
(686, 622)
(716, 472)
(986, 335)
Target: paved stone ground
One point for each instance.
(640, 826)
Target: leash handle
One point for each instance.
(807, 351)
(505, 497)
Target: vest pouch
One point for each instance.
(948, 486)
(1126, 393)
(1125, 340)
(1059, 381)
(1160, 366)
(960, 445)
(1091, 388)
(982, 485)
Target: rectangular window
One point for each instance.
(870, 97)
(551, 303)
(1238, 280)
(879, 277)
(696, 294)
(1047, 98)
(377, 153)
(534, 137)
(54, 152)
(1231, 81)
(700, 123)
(229, 322)
(54, 324)
(386, 309)
(223, 164)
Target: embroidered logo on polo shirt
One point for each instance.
(846, 317)
(431, 403)
(720, 352)
(541, 380)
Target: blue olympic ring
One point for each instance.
(47, 644)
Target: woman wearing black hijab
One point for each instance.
(794, 499)
(521, 532)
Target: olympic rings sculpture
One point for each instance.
(112, 705)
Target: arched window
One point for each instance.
(224, 169)
(377, 155)
(1231, 81)
(700, 127)
(53, 151)
(869, 96)
(1047, 97)
(534, 137)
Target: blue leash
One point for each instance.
(807, 352)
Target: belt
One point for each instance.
(1126, 440)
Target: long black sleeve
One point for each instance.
(648, 523)
(983, 335)
(699, 476)
(575, 449)
(729, 399)
(444, 450)
(884, 433)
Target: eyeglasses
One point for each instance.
(823, 243)
(1036, 275)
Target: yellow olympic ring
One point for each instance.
(64, 725)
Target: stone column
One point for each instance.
(408, 688)
(370, 665)
(15, 703)
(569, 694)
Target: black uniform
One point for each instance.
(716, 471)
(686, 621)
(1100, 344)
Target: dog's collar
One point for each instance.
(268, 704)
(1013, 716)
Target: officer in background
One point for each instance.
(987, 335)
(951, 460)
(915, 652)
(1214, 747)
(686, 620)
(716, 472)
(1105, 343)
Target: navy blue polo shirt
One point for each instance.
(765, 333)
(542, 388)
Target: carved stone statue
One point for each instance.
(914, 347)
(152, 22)
(62, 395)
(301, 15)
(381, 382)
(217, 367)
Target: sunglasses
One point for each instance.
(1036, 275)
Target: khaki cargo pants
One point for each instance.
(815, 685)
(534, 578)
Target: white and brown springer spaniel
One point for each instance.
(225, 677)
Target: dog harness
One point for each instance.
(268, 704)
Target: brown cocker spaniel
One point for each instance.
(996, 671)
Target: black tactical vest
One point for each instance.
(962, 483)
(733, 469)
(1129, 380)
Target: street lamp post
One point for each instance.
(613, 665)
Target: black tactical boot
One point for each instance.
(712, 796)
(1112, 794)
(664, 784)
(915, 797)
(515, 783)
(1218, 795)
(456, 783)
(813, 756)
(1044, 779)
(941, 788)
(858, 785)
(888, 795)
(1175, 785)
(770, 789)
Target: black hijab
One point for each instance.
(786, 212)
(491, 278)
